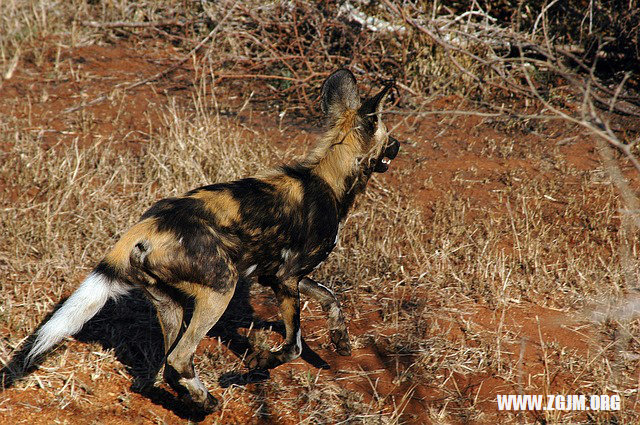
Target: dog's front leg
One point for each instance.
(288, 297)
(327, 299)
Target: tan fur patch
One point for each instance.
(209, 306)
(162, 246)
(381, 136)
(204, 294)
(221, 204)
(288, 307)
(118, 257)
(290, 187)
(336, 156)
(288, 311)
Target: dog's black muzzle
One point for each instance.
(388, 153)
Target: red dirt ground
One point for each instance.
(31, 95)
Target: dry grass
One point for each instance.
(64, 206)
(429, 286)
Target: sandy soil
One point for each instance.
(438, 153)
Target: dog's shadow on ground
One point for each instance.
(130, 327)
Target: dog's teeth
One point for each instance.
(386, 161)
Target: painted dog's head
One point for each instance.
(345, 111)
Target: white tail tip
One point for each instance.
(78, 309)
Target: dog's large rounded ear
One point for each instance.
(339, 93)
(374, 105)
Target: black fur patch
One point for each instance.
(107, 270)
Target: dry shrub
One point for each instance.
(469, 48)
(604, 27)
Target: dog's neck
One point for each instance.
(336, 160)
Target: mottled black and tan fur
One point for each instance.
(277, 227)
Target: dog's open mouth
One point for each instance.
(389, 152)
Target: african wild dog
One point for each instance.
(277, 226)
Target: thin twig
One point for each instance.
(126, 24)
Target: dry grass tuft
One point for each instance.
(444, 294)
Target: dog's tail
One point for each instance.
(101, 285)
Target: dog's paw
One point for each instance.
(340, 340)
(262, 359)
(209, 405)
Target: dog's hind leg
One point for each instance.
(170, 314)
(327, 299)
(209, 304)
